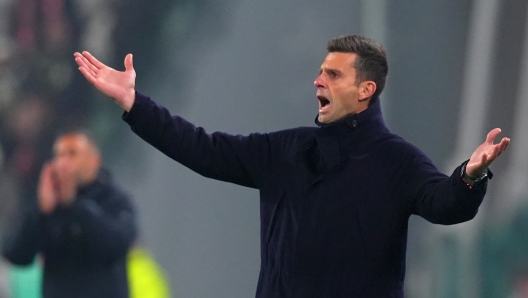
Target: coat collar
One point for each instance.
(103, 178)
(340, 138)
(372, 115)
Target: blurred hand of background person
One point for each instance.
(47, 194)
(66, 185)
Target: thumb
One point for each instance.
(128, 63)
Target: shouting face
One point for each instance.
(338, 91)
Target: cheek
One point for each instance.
(344, 91)
(345, 101)
(349, 98)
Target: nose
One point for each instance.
(319, 82)
(60, 163)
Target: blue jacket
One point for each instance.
(334, 200)
(83, 246)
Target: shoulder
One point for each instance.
(292, 133)
(105, 189)
(292, 137)
(398, 149)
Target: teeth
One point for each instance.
(324, 106)
(323, 103)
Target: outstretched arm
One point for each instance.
(236, 159)
(118, 85)
(485, 154)
(449, 201)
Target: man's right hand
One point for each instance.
(118, 85)
(47, 194)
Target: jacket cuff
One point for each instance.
(480, 182)
(140, 101)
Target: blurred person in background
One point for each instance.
(82, 225)
(335, 199)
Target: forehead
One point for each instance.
(338, 60)
(71, 142)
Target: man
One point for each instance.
(82, 227)
(335, 199)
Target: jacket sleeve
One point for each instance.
(107, 230)
(237, 159)
(439, 198)
(22, 238)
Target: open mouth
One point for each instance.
(323, 102)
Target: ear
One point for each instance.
(95, 162)
(366, 90)
(98, 160)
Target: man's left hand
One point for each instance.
(485, 154)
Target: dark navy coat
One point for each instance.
(334, 200)
(83, 246)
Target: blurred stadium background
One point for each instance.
(458, 68)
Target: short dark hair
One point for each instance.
(371, 62)
(74, 130)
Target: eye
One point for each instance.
(332, 74)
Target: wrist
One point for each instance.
(473, 179)
(127, 101)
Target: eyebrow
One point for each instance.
(327, 69)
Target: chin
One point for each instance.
(326, 119)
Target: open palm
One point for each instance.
(118, 85)
(486, 153)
